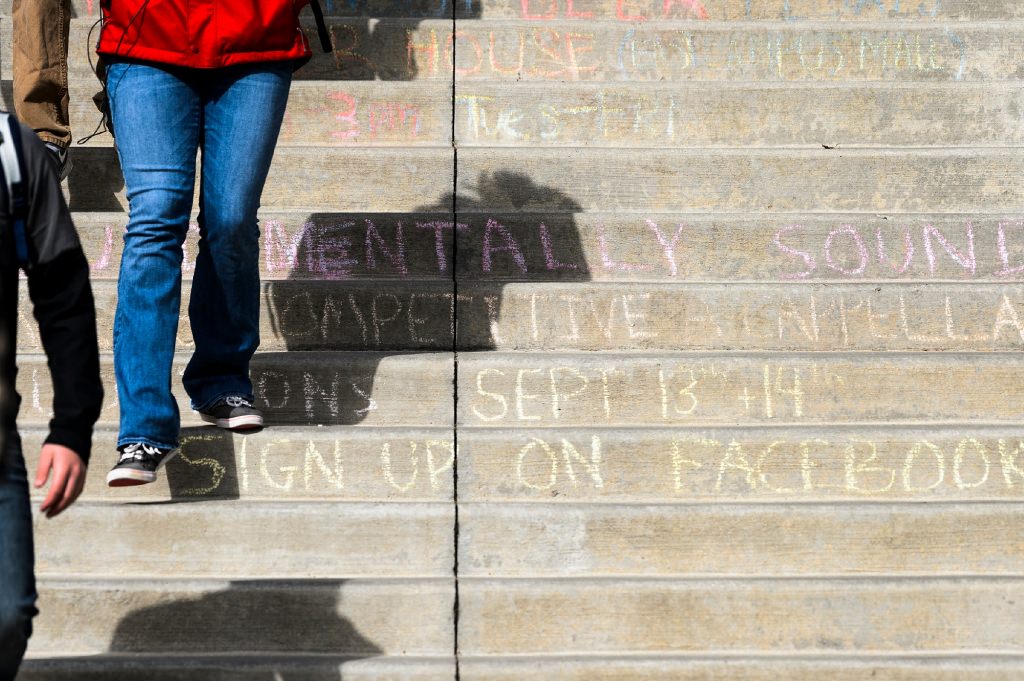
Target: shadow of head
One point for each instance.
(507, 190)
(264, 616)
(378, 40)
(385, 285)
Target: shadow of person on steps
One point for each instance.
(260, 630)
(364, 297)
(381, 286)
(265, 616)
(376, 40)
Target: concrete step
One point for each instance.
(153, 615)
(301, 245)
(746, 668)
(371, 180)
(742, 617)
(655, 114)
(829, 465)
(678, 50)
(792, 247)
(560, 242)
(245, 667)
(622, 541)
(408, 8)
(550, 390)
(365, 49)
(889, 11)
(570, 668)
(614, 317)
(504, 389)
(723, 317)
(404, 49)
(243, 540)
(707, 10)
(294, 464)
(650, 466)
(298, 315)
(359, 113)
(351, 114)
(600, 465)
(371, 389)
(420, 180)
(754, 180)
(566, 245)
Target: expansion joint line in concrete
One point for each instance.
(455, 371)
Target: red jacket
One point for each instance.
(203, 33)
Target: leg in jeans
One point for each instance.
(17, 582)
(157, 116)
(242, 112)
(41, 29)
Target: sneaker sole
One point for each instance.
(129, 477)
(249, 422)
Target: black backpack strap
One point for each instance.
(16, 181)
(321, 26)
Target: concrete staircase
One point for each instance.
(736, 297)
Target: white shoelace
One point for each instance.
(237, 401)
(137, 451)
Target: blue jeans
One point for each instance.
(17, 581)
(162, 115)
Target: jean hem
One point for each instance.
(122, 441)
(208, 403)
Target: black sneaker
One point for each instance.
(138, 464)
(62, 159)
(233, 412)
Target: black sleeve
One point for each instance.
(63, 305)
(58, 284)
